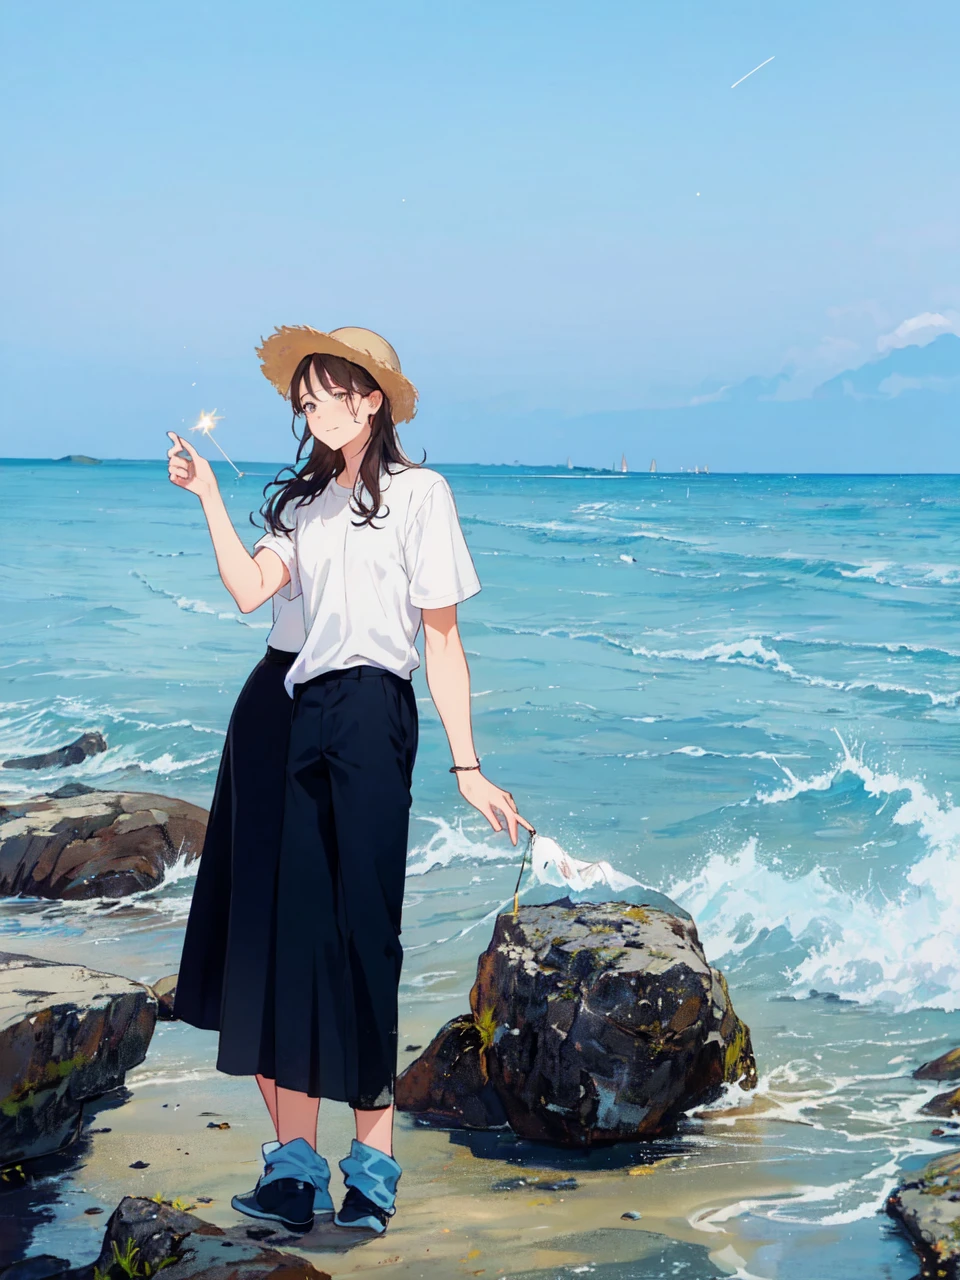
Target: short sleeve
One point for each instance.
(283, 545)
(438, 562)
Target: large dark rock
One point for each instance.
(598, 1022)
(98, 844)
(66, 1034)
(946, 1067)
(449, 1085)
(144, 1238)
(88, 744)
(928, 1208)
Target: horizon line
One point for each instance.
(561, 467)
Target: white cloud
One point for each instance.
(919, 330)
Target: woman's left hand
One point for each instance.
(490, 800)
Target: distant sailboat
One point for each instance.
(623, 463)
(569, 464)
(706, 471)
(696, 471)
(653, 464)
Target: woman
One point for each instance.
(373, 545)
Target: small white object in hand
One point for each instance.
(206, 423)
(552, 866)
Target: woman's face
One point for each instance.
(338, 417)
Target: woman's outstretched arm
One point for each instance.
(251, 580)
(449, 679)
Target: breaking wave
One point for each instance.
(756, 652)
(903, 951)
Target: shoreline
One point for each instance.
(720, 1190)
(449, 1216)
(449, 1219)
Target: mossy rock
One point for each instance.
(607, 1024)
(67, 1034)
(927, 1206)
(449, 1085)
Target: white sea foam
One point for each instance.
(197, 606)
(800, 1093)
(185, 868)
(872, 571)
(137, 1079)
(732, 1264)
(904, 951)
(450, 844)
(88, 712)
(699, 753)
(128, 757)
(750, 651)
(166, 763)
(880, 646)
(586, 533)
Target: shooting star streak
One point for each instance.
(750, 73)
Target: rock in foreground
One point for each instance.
(95, 844)
(449, 1085)
(66, 1034)
(928, 1207)
(88, 744)
(143, 1238)
(596, 1023)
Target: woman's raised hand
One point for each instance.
(492, 801)
(193, 473)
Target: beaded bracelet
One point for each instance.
(464, 768)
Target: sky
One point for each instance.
(548, 208)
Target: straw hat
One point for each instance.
(285, 348)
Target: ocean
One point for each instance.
(744, 691)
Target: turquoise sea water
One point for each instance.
(743, 691)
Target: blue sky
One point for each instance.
(507, 191)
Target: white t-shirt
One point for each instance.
(288, 632)
(364, 587)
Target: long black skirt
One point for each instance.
(227, 970)
(292, 950)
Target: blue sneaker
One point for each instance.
(298, 1161)
(371, 1177)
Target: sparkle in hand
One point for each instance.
(206, 423)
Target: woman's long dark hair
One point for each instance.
(299, 484)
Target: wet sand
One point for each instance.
(449, 1220)
(690, 1189)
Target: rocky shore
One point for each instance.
(67, 1035)
(144, 1237)
(590, 1023)
(80, 843)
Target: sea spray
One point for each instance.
(904, 951)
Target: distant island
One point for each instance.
(81, 458)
